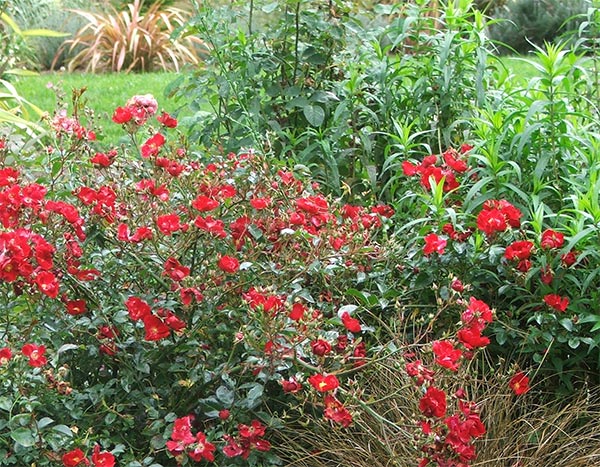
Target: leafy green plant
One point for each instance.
(523, 24)
(132, 40)
(320, 106)
(16, 52)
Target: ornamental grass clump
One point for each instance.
(132, 40)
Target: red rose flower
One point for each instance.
(204, 203)
(102, 459)
(320, 347)
(490, 221)
(202, 449)
(137, 308)
(552, 239)
(350, 323)
(152, 145)
(324, 383)
(298, 310)
(76, 307)
(260, 203)
(433, 403)
(155, 328)
(74, 458)
(546, 275)
(47, 283)
(477, 312)
(175, 270)
(35, 353)
(518, 250)
(434, 244)
(569, 259)
(169, 223)
(471, 337)
(122, 115)
(519, 383)
(557, 302)
(5, 355)
(451, 159)
(228, 264)
(291, 385)
(446, 354)
(166, 120)
(336, 412)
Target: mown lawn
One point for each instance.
(104, 92)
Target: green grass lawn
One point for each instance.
(104, 92)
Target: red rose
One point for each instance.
(434, 244)
(557, 302)
(76, 307)
(519, 383)
(350, 323)
(166, 120)
(137, 308)
(35, 353)
(433, 403)
(552, 239)
(446, 354)
(320, 347)
(324, 383)
(74, 458)
(102, 459)
(122, 115)
(518, 250)
(228, 264)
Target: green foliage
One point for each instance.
(17, 50)
(328, 87)
(523, 24)
(52, 90)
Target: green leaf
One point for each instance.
(5, 404)
(567, 324)
(256, 392)
(44, 422)
(314, 114)
(63, 429)
(225, 395)
(24, 436)
(43, 33)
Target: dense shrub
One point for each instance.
(160, 293)
(522, 24)
(297, 89)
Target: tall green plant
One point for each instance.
(297, 88)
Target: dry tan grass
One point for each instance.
(521, 431)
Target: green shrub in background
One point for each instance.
(523, 24)
(329, 88)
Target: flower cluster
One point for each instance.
(448, 439)
(183, 442)
(433, 169)
(76, 457)
(520, 253)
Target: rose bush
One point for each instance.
(531, 265)
(165, 304)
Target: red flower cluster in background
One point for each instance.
(452, 163)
